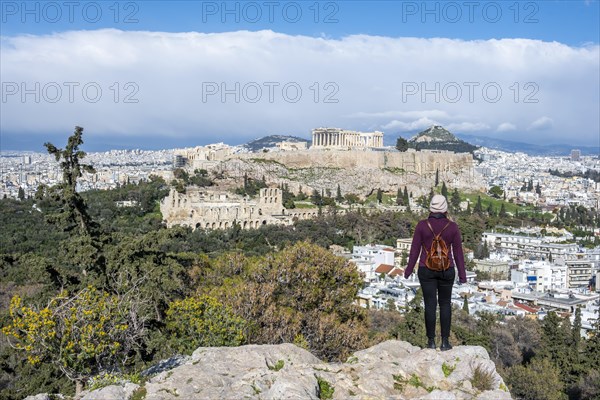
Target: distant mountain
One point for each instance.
(271, 141)
(529, 148)
(438, 138)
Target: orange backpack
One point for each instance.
(438, 258)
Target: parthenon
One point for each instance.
(341, 138)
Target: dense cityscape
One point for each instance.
(322, 200)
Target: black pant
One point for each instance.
(437, 288)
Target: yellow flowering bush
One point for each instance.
(81, 334)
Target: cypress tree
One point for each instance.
(465, 306)
(576, 329)
(338, 197)
(437, 177)
(399, 198)
(486, 251)
(592, 345)
(478, 206)
(455, 200)
(502, 211)
(444, 190)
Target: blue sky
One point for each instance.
(573, 22)
(183, 73)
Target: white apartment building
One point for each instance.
(540, 276)
(368, 258)
(579, 273)
(530, 246)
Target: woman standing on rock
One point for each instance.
(438, 246)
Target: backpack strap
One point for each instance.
(443, 229)
(434, 234)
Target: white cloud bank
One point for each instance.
(505, 88)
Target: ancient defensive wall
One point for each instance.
(419, 162)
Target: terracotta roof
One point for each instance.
(384, 269)
(502, 303)
(526, 307)
(397, 271)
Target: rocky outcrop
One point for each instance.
(326, 173)
(389, 370)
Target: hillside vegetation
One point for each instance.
(89, 288)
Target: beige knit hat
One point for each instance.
(438, 204)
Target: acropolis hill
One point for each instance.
(356, 161)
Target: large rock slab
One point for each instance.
(389, 370)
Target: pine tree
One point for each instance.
(21, 194)
(401, 144)
(538, 189)
(413, 328)
(444, 190)
(316, 198)
(490, 209)
(74, 215)
(530, 185)
(556, 345)
(540, 379)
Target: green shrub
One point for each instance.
(278, 365)
(325, 389)
(447, 369)
(203, 322)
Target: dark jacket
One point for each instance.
(424, 236)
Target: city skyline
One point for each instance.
(233, 72)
